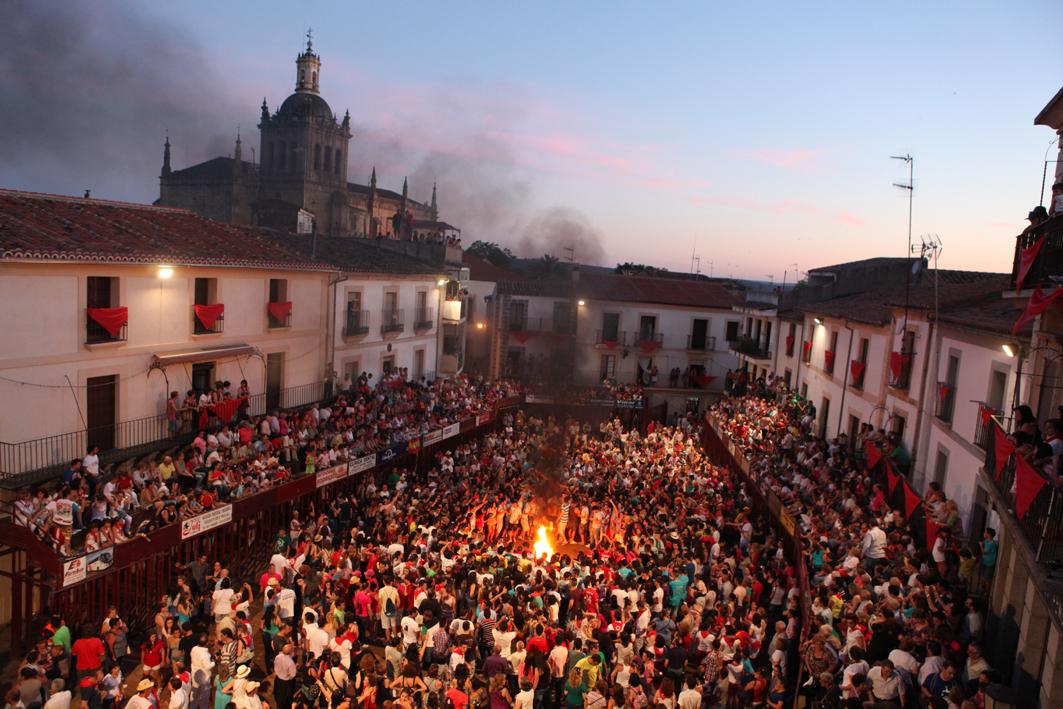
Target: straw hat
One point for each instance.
(251, 686)
(242, 671)
(145, 685)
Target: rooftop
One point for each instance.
(47, 227)
(483, 270)
(631, 289)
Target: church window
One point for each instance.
(317, 157)
(328, 158)
(339, 157)
(283, 156)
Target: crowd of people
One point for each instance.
(663, 590)
(894, 623)
(92, 508)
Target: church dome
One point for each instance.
(305, 106)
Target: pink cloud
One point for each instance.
(850, 219)
(786, 158)
(785, 206)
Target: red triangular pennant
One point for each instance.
(857, 370)
(828, 360)
(892, 479)
(874, 455)
(1039, 303)
(789, 345)
(943, 390)
(1027, 484)
(1026, 259)
(1002, 450)
(911, 501)
(985, 413)
(110, 319)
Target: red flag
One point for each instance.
(1002, 450)
(521, 336)
(911, 501)
(874, 455)
(986, 413)
(649, 346)
(932, 529)
(857, 370)
(943, 391)
(892, 479)
(279, 310)
(1039, 303)
(898, 362)
(828, 360)
(806, 349)
(610, 344)
(789, 345)
(1026, 259)
(209, 314)
(110, 319)
(1027, 484)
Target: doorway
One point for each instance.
(274, 378)
(202, 377)
(698, 332)
(101, 407)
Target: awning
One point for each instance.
(206, 355)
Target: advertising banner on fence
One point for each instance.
(330, 475)
(451, 430)
(360, 465)
(208, 520)
(482, 419)
(432, 437)
(75, 570)
(397, 450)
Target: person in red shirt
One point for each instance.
(88, 652)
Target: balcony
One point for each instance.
(279, 315)
(901, 369)
(392, 321)
(946, 404)
(111, 329)
(1047, 268)
(751, 347)
(563, 326)
(356, 324)
(208, 319)
(983, 427)
(649, 342)
(610, 339)
(701, 344)
(423, 319)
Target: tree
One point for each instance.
(545, 267)
(638, 269)
(492, 252)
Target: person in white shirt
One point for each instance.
(178, 694)
(317, 638)
(690, 697)
(59, 698)
(140, 700)
(222, 600)
(873, 547)
(885, 684)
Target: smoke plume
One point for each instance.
(555, 231)
(88, 91)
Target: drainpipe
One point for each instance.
(800, 358)
(935, 349)
(330, 323)
(845, 379)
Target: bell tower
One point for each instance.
(308, 69)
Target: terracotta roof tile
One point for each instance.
(633, 289)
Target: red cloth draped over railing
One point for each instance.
(110, 319)
(649, 346)
(898, 362)
(280, 310)
(828, 360)
(857, 370)
(209, 314)
(1002, 450)
(224, 410)
(943, 391)
(806, 349)
(1026, 259)
(610, 344)
(521, 336)
(789, 345)
(1027, 484)
(703, 380)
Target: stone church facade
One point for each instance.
(301, 182)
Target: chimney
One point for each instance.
(88, 194)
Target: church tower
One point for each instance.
(304, 150)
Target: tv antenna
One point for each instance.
(910, 186)
(571, 253)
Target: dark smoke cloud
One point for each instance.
(555, 231)
(87, 92)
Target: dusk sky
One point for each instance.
(762, 131)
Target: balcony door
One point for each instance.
(100, 411)
(202, 377)
(699, 330)
(647, 327)
(610, 327)
(274, 379)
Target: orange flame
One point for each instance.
(542, 547)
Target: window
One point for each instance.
(610, 327)
(202, 377)
(353, 370)
(824, 414)
(608, 367)
(647, 327)
(946, 392)
(804, 391)
(317, 156)
(897, 424)
(336, 165)
(278, 290)
(732, 330)
(854, 430)
(564, 319)
(901, 372)
(828, 359)
(941, 467)
(699, 331)
(206, 293)
(787, 376)
(282, 153)
(767, 336)
(278, 294)
(998, 384)
(418, 364)
(356, 320)
(422, 316)
(392, 316)
(791, 338)
(518, 315)
(328, 159)
(387, 364)
(861, 357)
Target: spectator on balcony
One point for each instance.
(1037, 216)
(90, 465)
(188, 410)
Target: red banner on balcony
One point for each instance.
(911, 500)
(828, 360)
(898, 362)
(806, 349)
(985, 413)
(209, 314)
(1039, 303)
(649, 346)
(703, 380)
(1002, 450)
(224, 410)
(610, 344)
(789, 345)
(874, 455)
(1027, 484)
(280, 310)
(110, 319)
(521, 336)
(1026, 259)
(943, 391)
(857, 370)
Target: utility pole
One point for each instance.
(908, 252)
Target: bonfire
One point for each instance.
(542, 546)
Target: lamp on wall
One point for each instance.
(165, 272)
(581, 303)
(1008, 349)
(817, 321)
(441, 282)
